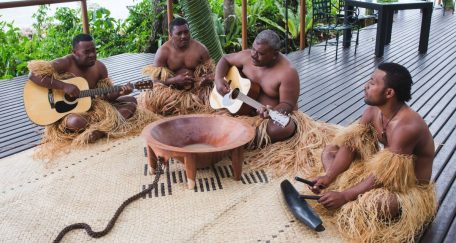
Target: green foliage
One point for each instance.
(197, 13)
(53, 34)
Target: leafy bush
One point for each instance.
(53, 34)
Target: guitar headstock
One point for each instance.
(146, 84)
(279, 118)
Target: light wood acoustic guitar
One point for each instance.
(241, 98)
(45, 106)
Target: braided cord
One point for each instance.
(98, 234)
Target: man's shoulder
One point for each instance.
(410, 127)
(369, 113)
(63, 64)
(165, 48)
(197, 43)
(286, 68)
(411, 122)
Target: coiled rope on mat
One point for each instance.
(98, 234)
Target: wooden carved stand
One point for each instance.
(198, 141)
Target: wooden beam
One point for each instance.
(15, 4)
(85, 19)
(169, 8)
(302, 25)
(244, 24)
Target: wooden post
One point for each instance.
(302, 25)
(169, 8)
(85, 18)
(244, 24)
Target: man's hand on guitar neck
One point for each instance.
(124, 90)
(264, 111)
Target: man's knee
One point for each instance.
(328, 154)
(277, 133)
(330, 151)
(75, 123)
(127, 110)
(391, 210)
(128, 99)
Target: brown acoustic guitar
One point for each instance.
(241, 100)
(45, 106)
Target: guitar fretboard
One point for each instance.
(98, 91)
(249, 101)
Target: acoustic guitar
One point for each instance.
(45, 106)
(241, 98)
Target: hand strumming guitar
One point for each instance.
(222, 86)
(71, 89)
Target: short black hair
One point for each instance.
(177, 22)
(399, 79)
(81, 37)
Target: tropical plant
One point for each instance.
(198, 12)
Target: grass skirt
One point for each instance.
(166, 101)
(295, 155)
(367, 219)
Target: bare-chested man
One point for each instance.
(278, 79)
(184, 65)
(82, 62)
(395, 181)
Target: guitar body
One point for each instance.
(235, 80)
(45, 106)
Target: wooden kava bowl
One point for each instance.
(198, 140)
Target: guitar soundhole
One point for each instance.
(235, 93)
(62, 106)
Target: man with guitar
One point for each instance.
(82, 62)
(108, 112)
(278, 80)
(183, 74)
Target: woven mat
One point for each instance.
(88, 185)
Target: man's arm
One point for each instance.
(334, 200)
(288, 92)
(103, 74)
(207, 78)
(59, 65)
(223, 65)
(342, 159)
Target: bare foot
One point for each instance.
(95, 136)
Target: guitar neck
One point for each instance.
(98, 91)
(249, 101)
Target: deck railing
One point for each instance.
(16, 4)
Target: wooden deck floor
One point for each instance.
(330, 91)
